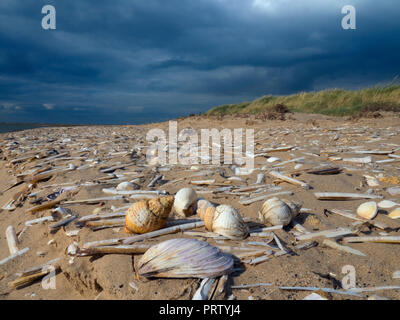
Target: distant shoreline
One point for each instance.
(20, 126)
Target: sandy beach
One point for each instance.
(83, 161)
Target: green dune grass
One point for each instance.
(336, 102)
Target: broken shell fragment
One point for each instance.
(184, 258)
(368, 210)
(148, 215)
(223, 219)
(275, 212)
(185, 201)
(395, 214)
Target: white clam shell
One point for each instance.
(184, 203)
(275, 212)
(229, 223)
(184, 258)
(387, 204)
(368, 210)
(127, 186)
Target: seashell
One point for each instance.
(127, 186)
(295, 207)
(260, 178)
(148, 215)
(371, 181)
(368, 210)
(243, 171)
(184, 258)
(276, 212)
(223, 219)
(273, 159)
(393, 191)
(185, 202)
(386, 204)
(395, 214)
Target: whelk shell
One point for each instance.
(185, 201)
(278, 212)
(184, 258)
(223, 219)
(368, 210)
(148, 215)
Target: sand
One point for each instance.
(113, 276)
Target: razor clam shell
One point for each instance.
(184, 258)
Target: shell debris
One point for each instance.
(249, 219)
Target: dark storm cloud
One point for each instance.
(127, 61)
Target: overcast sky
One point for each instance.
(134, 61)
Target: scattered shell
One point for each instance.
(148, 215)
(395, 214)
(273, 159)
(223, 219)
(276, 212)
(185, 201)
(97, 210)
(295, 207)
(184, 258)
(393, 191)
(127, 186)
(260, 178)
(243, 171)
(72, 248)
(314, 296)
(371, 181)
(359, 160)
(386, 204)
(368, 210)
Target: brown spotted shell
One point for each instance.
(148, 215)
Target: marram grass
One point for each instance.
(336, 102)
